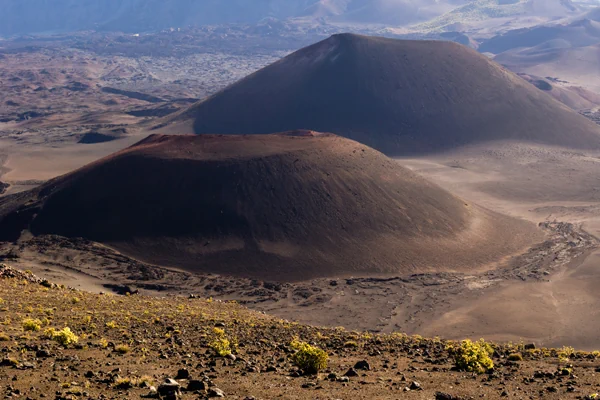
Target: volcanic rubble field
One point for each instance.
(135, 346)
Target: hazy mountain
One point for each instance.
(579, 32)
(476, 14)
(27, 16)
(34, 16)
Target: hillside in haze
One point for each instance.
(30, 16)
(400, 97)
(42, 16)
(565, 53)
(567, 33)
(280, 207)
(481, 14)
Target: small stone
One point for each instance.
(216, 392)
(152, 394)
(195, 384)
(183, 374)
(351, 372)
(43, 354)
(364, 365)
(443, 396)
(26, 365)
(169, 386)
(415, 386)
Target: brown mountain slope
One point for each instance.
(287, 207)
(397, 96)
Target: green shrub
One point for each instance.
(308, 358)
(65, 336)
(122, 349)
(124, 383)
(32, 324)
(515, 357)
(220, 344)
(473, 356)
(566, 353)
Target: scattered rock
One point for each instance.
(364, 365)
(42, 353)
(169, 387)
(183, 374)
(195, 385)
(216, 392)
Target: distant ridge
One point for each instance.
(280, 207)
(400, 97)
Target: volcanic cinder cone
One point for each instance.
(285, 207)
(400, 97)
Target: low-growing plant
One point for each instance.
(565, 353)
(309, 359)
(473, 356)
(515, 357)
(64, 336)
(13, 362)
(128, 383)
(122, 349)
(33, 325)
(124, 383)
(220, 344)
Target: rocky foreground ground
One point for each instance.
(62, 343)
